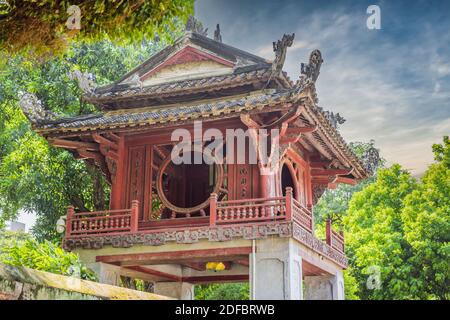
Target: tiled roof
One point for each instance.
(149, 116)
(179, 87)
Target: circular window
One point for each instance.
(185, 188)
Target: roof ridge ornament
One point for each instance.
(309, 73)
(311, 70)
(86, 80)
(217, 35)
(335, 119)
(280, 49)
(194, 25)
(33, 108)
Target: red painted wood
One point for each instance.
(134, 216)
(213, 210)
(174, 256)
(156, 273)
(185, 55)
(136, 176)
(117, 186)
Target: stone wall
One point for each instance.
(20, 283)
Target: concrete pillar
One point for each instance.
(276, 271)
(178, 290)
(330, 287)
(106, 273)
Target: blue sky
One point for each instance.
(392, 85)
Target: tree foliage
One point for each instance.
(20, 249)
(224, 291)
(42, 25)
(35, 176)
(402, 226)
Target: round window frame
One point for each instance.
(204, 204)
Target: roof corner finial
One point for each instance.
(217, 35)
(194, 25)
(86, 80)
(33, 108)
(310, 72)
(280, 49)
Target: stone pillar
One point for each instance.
(330, 287)
(106, 273)
(178, 290)
(276, 271)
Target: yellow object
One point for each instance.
(220, 266)
(211, 265)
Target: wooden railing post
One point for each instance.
(213, 209)
(289, 203)
(69, 216)
(329, 233)
(134, 215)
(343, 240)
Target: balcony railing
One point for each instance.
(102, 222)
(334, 239)
(227, 212)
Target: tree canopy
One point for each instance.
(49, 25)
(35, 176)
(399, 228)
(20, 249)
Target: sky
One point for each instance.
(391, 85)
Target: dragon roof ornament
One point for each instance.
(217, 35)
(196, 26)
(280, 48)
(334, 118)
(86, 80)
(310, 72)
(33, 109)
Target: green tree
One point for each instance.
(426, 220)
(402, 226)
(33, 175)
(20, 249)
(42, 25)
(223, 291)
(375, 237)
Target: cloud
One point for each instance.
(392, 85)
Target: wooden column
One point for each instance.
(69, 216)
(134, 216)
(289, 203)
(213, 209)
(117, 186)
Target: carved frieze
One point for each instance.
(218, 234)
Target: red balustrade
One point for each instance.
(334, 239)
(302, 215)
(102, 222)
(247, 210)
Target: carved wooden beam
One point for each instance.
(161, 151)
(103, 141)
(70, 144)
(300, 130)
(345, 180)
(320, 164)
(330, 172)
(85, 154)
(199, 266)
